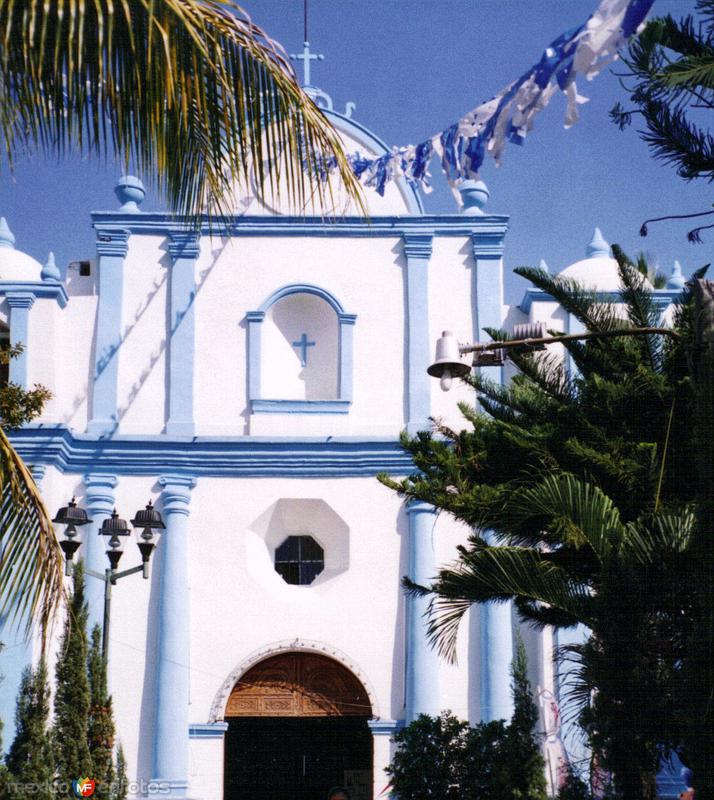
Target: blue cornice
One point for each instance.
(207, 730)
(51, 289)
(418, 244)
(113, 237)
(243, 456)
(487, 230)
(662, 298)
(261, 406)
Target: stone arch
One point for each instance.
(289, 646)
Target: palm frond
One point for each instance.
(193, 95)
(497, 574)
(568, 510)
(31, 562)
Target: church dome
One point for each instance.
(14, 264)
(598, 270)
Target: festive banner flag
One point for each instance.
(508, 117)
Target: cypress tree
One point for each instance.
(101, 723)
(72, 694)
(121, 784)
(526, 764)
(30, 761)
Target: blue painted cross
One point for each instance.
(303, 344)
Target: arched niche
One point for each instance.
(300, 353)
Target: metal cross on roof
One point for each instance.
(306, 58)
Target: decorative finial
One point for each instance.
(543, 265)
(50, 272)
(676, 279)
(474, 195)
(130, 192)
(598, 247)
(306, 58)
(7, 237)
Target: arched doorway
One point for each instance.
(297, 725)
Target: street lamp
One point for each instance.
(448, 364)
(114, 528)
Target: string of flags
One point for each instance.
(508, 117)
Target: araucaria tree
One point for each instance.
(670, 79)
(30, 762)
(581, 474)
(72, 697)
(100, 727)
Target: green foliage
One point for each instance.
(442, 757)
(121, 785)
(30, 761)
(574, 788)
(100, 724)
(526, 767)
(670, 79)
(72, 697)
(584, 477)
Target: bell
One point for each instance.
(448, 363)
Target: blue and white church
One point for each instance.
(251, 383)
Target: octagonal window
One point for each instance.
(299, 560)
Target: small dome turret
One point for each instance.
(14, 264)
(676, 279)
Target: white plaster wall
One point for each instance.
(206, 768)
(141, 392)
(75, 350)
(41, 349)
(241, 274)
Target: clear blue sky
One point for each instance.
(413, 67)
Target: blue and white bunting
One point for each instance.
(508, 117)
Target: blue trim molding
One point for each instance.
(488, 231)
(662, 298)
(207, 730)
(345, 365)
(112, 247)
(385, 727)
(239, 456)
(184, 249)
(418, 250)
(47, 288)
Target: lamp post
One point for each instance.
(147, 519)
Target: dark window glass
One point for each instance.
(299, 560)
(4, 345)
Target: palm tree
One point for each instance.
(199, 100)
(566, 557)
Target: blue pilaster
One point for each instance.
(496, 656)
(112, 247)
(418, 249)
(255, 328)
(20, 304)
(496, 640)
(184, 249)
(422, 667)
(100, 501)
(171, 721)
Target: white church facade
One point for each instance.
(252, 382)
